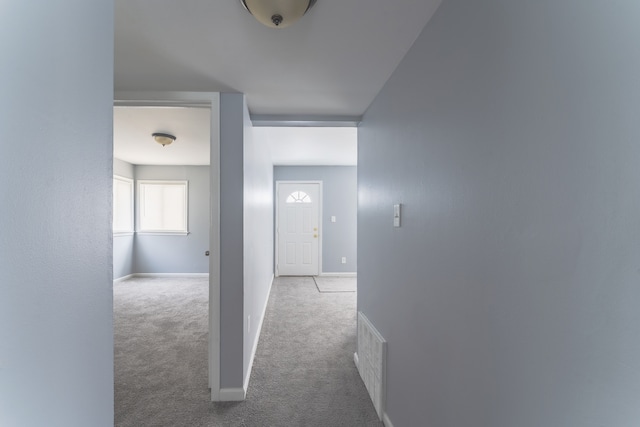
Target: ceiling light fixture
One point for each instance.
(278, 13)
(163, 138)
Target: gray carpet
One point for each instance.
(303, 372)
(336, 284)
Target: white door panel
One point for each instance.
(298, 228)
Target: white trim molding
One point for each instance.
(338, 274)
(236, 394)
(170, 275)
(305, 121)
(163, 233)
(122, 233)
(255, 343)
(123, 278)
(159, 275)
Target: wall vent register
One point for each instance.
(371, 360)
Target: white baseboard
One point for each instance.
(159, 275)
(170, 275)
(386, 421)
(355, 359)
(338, 274)
(123, 278)
(255, 343)
(237, 394)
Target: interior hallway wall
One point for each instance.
(509, 296)
(246, 241)
(258, 237)
(56, 113)
(231, 241)
(339, 199)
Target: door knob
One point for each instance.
(206, 253)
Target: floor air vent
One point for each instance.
(371, 361)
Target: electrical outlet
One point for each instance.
(344, 259)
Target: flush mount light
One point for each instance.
(278, 13)
(163, 138)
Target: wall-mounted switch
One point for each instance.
(333, 218)
(396, 215)
(344, 259)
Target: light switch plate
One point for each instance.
(333, 218)
(396, 215)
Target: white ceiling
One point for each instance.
(328, 67)
(333, 62)
(309, 145)
(133, 126)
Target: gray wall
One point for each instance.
(258, 235)
(509, 297)
(123, 244)
(122, 168)
(231, 240)
(177, 254)
(339, 198)
(56, 330)
(246, 238)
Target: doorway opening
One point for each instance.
(193, 118)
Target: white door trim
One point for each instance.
(209, 100)
(277, 218)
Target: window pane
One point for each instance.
(163, 206)
(298, 197)
(173, 207)
(122, 205)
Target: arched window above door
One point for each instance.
(298, 197)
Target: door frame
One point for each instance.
(209, 100)
(277, 221)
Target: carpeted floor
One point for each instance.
(303, 373)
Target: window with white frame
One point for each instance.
(163, 207)
(298, 197)
(122, 205)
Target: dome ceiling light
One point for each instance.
(163, 138)
(278, 13)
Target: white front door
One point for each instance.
(298, 228)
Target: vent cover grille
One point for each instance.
(371, 361)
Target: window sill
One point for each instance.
(122, 233)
